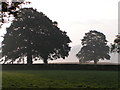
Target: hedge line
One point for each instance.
(60, 67)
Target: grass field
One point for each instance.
(59, 79)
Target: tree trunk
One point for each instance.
(29, 59)
(80, 62)
(45, 61)
(23, 61)
(12, 61)
(95, 61)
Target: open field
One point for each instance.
(59, 79)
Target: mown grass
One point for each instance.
(59, 79)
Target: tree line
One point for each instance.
(33, 35)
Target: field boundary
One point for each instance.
(60, 67)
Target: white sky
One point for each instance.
(77, 17)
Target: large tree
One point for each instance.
(33, 34)
(94, 47)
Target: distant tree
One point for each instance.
(33, 34)
(116, 46)
(94, 47)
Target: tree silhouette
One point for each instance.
(94, 47)
(116, 46)
(10, 9)
(33, 34)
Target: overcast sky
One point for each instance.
(77, 17)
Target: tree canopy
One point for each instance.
(116, 46)
(10, 9)
(94, 47)
(33, 34)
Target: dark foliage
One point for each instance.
(33, 34)
(94, 47)
(10, 8)
(116, 46)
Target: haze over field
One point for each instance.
(73, 59)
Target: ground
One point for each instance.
(59, 79)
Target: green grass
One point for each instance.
(59, 79)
